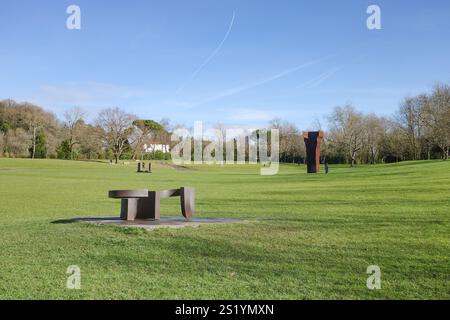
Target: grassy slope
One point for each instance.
(309, 236)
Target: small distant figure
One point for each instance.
(326, 167)
(110, 161)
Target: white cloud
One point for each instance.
(89, 95)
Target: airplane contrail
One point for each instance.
(319, 79)
(210, 57)
(260, 82)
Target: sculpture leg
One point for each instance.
(149, 208)
(187, 202)
(128, 209)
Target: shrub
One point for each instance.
(63, 150)
(157, 155)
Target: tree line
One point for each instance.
(419, 129)
(28, 131)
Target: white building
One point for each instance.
(152, 147)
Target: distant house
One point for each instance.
(154, 145)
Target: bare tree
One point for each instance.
(90, 140)
(117, 127)
(347, 131)
(295, 146)
(164, 135)
(17, 142)
(34, 119)
(291, 141)
(393, 143)
(438, 118)
(74, 120)
(411, 119)
(374, 133)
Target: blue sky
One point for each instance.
(240, 63)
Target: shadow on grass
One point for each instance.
(73, 220)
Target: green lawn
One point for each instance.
(307, 237)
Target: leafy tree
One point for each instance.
(4, 126)
(2, 143)
(145, 129)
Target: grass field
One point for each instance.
(307, 237)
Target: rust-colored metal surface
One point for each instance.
(141, 167)
(169, 193)
(313, 140)
(319, 142)
(120, 194)
(187, 202)
(129, 209)
(144, 204)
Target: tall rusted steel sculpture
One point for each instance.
(313, 140)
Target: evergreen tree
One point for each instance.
(41, 145)
(64, 151)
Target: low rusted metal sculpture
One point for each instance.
(131, 205)
(145, 204)
(141, 167)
